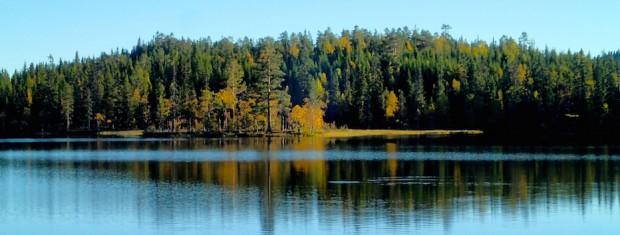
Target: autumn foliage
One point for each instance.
(397, 79)
(307, 119)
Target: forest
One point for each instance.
(398, 79)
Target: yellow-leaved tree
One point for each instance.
(307, 119)
(456, 85)
(246, 117)
(230, 103)
(297, 118)
(294, 50)
(391, 105)
(480, 49)
(345, 44)
(315, 118)
(99, 118)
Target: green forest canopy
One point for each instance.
(401, 78)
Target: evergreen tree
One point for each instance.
(269, 87)
(399, 78)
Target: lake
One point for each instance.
(304, 186)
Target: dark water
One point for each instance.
(304, 186)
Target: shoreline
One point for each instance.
(435, 136)
(349, 133)
(338, 133)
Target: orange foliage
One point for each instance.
(227, 97)
(135, 98)
(99, 117)
(250, 58)
(456, 85)
(409, 46)
(391, 105)
(294, 50)
(260, 122)
(307, 118)
(245, 116)
(276, 111)
(29, 96)
(344, 44)
(297, 117)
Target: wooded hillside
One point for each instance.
(401, 78)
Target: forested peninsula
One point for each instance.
(297, 82)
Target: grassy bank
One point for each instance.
(122, 134)
(340, 133)
(361, 133)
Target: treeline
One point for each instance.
(401, 78)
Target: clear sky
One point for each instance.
(32, 30)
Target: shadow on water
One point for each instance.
(352, 181)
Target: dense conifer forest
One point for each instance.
(398, 79)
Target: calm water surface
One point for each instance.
(304, 186)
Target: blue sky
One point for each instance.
(31, 30)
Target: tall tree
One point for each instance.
(235, 85)
(271, 76)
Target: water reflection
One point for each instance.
(292, 185)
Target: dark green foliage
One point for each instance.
(439, 81)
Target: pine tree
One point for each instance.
(270, 76)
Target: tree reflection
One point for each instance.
(421, 189)
(400, 185)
